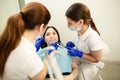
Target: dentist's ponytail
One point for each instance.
(10, 38)
(93, 26)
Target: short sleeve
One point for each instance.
(95, 43)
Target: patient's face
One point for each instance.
(51, 36)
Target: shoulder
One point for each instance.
(94, 40)
(32, 63)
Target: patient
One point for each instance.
(66, 64)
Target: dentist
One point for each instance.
(18, 58)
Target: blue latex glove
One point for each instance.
(55, 45)
(39, 42)
(70, 44)
(75, 52)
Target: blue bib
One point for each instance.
(64, 62)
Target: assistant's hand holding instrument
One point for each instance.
(75, 52)
(70, 44)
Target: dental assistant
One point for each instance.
(87, 41)
(18, 58)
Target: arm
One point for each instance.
(74, 73)
(74, 69)
(96, 49)
(94, 56)
(42, 74)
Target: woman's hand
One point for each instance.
(68, 77)
(39, 42)
(70, 44)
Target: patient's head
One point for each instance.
(51, 35)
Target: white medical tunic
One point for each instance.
(87, 42)
(23, 62)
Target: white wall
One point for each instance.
(105, 13)
(7, 7)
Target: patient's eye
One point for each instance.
(47, 34)
(54, 33)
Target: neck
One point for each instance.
(84, 28)
(30, 35)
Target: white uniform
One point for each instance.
(87, 42)
(23, 62)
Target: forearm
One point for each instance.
(74, 73)
(94, 56)
(74, 70)
(89, 58)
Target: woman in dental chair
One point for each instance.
(66, 63)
